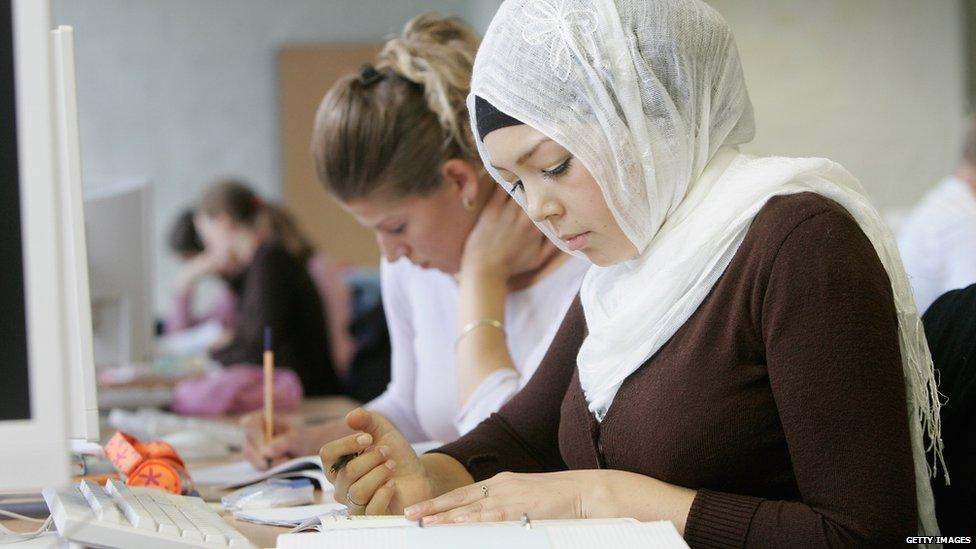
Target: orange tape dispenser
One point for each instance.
(153, 464)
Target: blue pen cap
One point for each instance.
(267, 338)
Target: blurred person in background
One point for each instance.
(938, 238)
(195, 265)
(272, 287)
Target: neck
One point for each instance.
(522, 281)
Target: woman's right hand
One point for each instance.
(202, 265)
(288, 441)
(504, 241)
(385, 477)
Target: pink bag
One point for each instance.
(235, 390)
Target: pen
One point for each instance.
(341, 462)
(268, 386)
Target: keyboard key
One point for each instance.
(100, 502)
(165, 525)
(216, 538)
(136, 514)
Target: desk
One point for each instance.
(260, 535)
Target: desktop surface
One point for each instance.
(260, 535)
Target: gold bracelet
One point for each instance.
(474, 325)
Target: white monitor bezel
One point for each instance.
(82, 393)
(34, 451)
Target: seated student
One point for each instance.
(738, 358)
(950, 327)
(195, 265)
(473, 292)
(938, 238)
(272, 287)
(281, 227)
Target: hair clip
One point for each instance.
(368, 75)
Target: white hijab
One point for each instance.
(649, 95)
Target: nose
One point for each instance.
(391, 248)
(540, 205)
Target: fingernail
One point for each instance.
(431, 519)
(391, 465)
(384, 451)
(390, 483)
(460, 519)
(410, 511)
(364, 439)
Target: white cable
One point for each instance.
(18, 516)
(9, 536)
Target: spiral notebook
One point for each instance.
(545, 534)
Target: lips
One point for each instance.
(576, 241)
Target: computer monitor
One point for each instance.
(118, 223)
(83, 400)
(33, 339)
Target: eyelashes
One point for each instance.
(547, 174)
(558, 170)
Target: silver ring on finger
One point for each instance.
(352, 502)
(484, 490)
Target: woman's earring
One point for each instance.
(467, 203)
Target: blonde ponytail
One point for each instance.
(388, 129)
(437, 52)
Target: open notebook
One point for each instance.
(242, 473)
(545, 534)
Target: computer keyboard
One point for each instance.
(117, 515)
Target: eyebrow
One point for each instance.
(527, 154)
(384, 225)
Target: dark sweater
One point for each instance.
(277, 291)
(781, 400)
(950, 326)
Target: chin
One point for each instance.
(600, 259)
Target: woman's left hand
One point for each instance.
(506, 496)
(590, 493)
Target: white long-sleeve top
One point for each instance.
(421, 311)
(938, 241)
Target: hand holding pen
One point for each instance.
(375, 470)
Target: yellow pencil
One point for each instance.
(268, 386)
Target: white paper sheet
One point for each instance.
(242, 473)
(287, 516)
(560, 534)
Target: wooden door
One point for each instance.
(305, 73)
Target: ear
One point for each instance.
(461, 176)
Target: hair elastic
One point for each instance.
(368, 75)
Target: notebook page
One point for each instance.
(380, 538)
(605, 534)
(477, 536)
(287, 516)
(642, 534)
(242, 473)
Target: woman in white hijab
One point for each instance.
(749, 316)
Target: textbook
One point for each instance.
(397, 533)
(242, 473)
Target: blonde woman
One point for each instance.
(473, 292)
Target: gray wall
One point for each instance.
(877, 85)
(182, 91)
